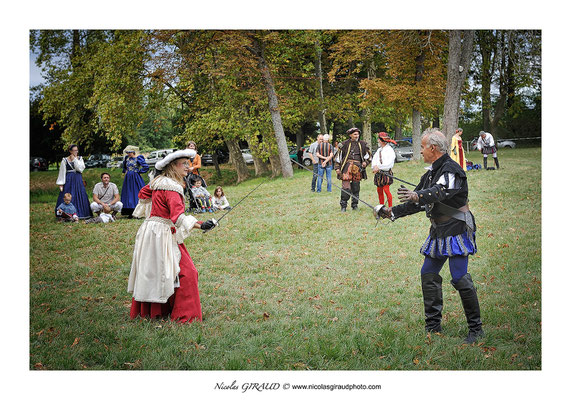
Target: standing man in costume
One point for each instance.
(350, 164)
(443, 194)
(487, 146)
(456, 149)
(382, 166)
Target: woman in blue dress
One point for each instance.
(133, 167)
(70, 181)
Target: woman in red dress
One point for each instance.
(163, 278)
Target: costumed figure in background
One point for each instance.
(487, 146)
(443, 194)
(382, 166)
(71, 181)
(163, 278)
(133, 167)
(350, 164)
(456, 149)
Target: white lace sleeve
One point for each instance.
(143, 209)
(79, 165)
(61, 175)
(184, 225)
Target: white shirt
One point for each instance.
(385, 154)
(488, 141)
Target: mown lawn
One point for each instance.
(288, 282)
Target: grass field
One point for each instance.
(288, 282)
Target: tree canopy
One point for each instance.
(268, 90)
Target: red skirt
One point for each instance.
(184, 304)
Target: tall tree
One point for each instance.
(257, 48)
(412, 81)
(460, 47)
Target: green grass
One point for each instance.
(288, 282)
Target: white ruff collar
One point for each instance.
(166, 183)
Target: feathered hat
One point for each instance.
(188, 153)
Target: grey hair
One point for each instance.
(436, 138)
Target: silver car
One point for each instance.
(247, 156)
(403, 150)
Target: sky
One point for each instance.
(35, 72)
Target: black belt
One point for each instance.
(447, 213)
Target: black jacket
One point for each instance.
(431, 194)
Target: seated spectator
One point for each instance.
(66, 211)
(106, 193)
(103, 218)
(219, 201)
(202, 197)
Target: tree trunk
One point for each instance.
(501, 102)
(398, 131)
(486, 40)
(260, 166)
(216, 164)
(366, 136)
(416, 134)
(237, 160)
(416, 123)
(283, 153)
(459, 57)
(299, 138)
(276, 166)
(319, 73)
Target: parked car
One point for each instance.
(403, 150)
(115, 162)
(502, 143)
(247, 156)
(222, 158)
(38, 164)
(158, 155)
(97, 161)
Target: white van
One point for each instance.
(158, 155)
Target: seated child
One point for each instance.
(104, 217)
(66, 211)
(219, 201)
(202, 196)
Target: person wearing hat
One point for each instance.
(382, 164)
(443, 194)
(456, 149)
(163, 278)
(350, 164)
(133, 167)
(487, 146)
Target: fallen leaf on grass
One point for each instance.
(135, 365)
(76, 341)
(266, 315)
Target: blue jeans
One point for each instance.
(314, 178)
(327, 170)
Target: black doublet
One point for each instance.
(431, 194)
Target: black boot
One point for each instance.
(467, 291)
(486, 163)
(497, 162)
(432, 295)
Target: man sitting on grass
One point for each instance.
(106, 193)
